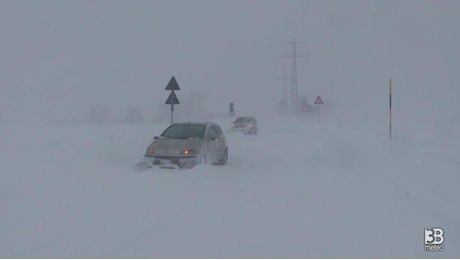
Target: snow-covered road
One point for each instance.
(299, 189)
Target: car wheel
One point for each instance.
(224, 158)
(203, 159)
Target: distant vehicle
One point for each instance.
(188, 144)
(246, 124)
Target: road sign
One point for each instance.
(231, 110)
(172, 85)
(318, 101)
(172, 99)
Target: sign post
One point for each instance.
(318, 101)
(231, 111)
(172, 98)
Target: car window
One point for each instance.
(184, 131)
(218, 130)
(211, 133)
(243, 120)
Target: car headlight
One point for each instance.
(250, 125)
(150, 151)
(188, 152)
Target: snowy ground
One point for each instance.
(299, 189)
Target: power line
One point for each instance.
(368, 18)
(339, 37)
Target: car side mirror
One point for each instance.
(155, 137)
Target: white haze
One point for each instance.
(59, 58)
(299, 189)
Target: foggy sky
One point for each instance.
(59, 57)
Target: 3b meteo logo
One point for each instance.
(434, 239)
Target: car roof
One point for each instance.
(195, 123)
(250, 117)
(188, 123)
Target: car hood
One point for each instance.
(164, 143)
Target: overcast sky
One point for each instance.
(59, 57)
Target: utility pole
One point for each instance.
(294, 89)
(285, 87)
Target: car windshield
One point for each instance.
(184, 131)
(243, 120)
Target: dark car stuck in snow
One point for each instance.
(246, 125)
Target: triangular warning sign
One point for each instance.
(172, 99)
(172, 85)
(318, 101)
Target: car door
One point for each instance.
(220, 142)
(211, 140)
